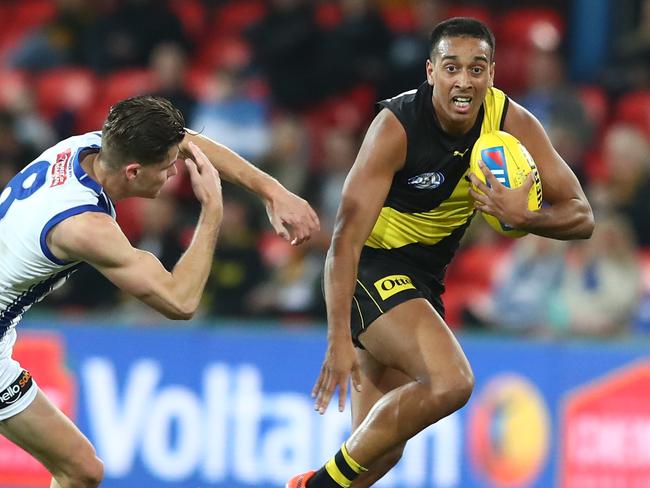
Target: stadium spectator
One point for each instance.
(558, 106)
(288, 157)
(169, 69)
(524, 291)
(626, 152)
(354, 50)
(602, 286)
(239, 268)
(339, 148)
(285, 46)
(126, 36)
(630, 67)
(13, 151)
(409, 47)
(60, 42)
(226, 112)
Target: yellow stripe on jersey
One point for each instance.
(493, 106)
(395, 229)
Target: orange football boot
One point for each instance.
(300, 480)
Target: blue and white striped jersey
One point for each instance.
(50, 189)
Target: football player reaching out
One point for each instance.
(405, 205)
(58, 212)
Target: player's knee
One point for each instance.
(93, 473)
(457, 390)
(450, 393)
(465, 388)
(87, 472)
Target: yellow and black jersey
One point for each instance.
(428, 206)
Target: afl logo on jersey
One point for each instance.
(427, 181)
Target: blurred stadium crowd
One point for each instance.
(291, 85)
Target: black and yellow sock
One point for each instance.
(338, 472)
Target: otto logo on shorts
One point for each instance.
(15, 391)
(393, 284)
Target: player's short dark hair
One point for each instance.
(460, 27)
(141, 129)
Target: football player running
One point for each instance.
(58, 212)
(405, 205)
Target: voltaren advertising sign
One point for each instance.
(230, 408)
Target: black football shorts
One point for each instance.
(383, 283)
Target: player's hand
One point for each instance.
(340, 363)
(291, 217)
(205, 179)
(509, 205)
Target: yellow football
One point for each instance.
(510, 162)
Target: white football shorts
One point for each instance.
(17, 388)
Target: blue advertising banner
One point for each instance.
(190, 408)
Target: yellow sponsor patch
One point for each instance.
(393, 284)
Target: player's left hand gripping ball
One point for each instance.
(510, 163)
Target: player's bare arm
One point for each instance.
(568, 215)
(97, 239)
(291, 216)
(381, 155)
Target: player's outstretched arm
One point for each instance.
(569, 215)
(381, 155)
(97, 239)
(291, 216)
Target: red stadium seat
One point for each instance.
(19, 18)
(119, 85)
(510, 74)
(129, 216)
(28, 14)
(11, 83)
(128, 83)
(351, 110)
(233, 17)
(634, 108)
(192, 15)
(222, 52)
(328, 14)
(399, 18)
(196, 81)
(257, 88)
(596, 104)
(542, 28)
(5, 15)
(65, 88)
(471, 276)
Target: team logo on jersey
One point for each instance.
(60, 168)
(14, 391)
(393, 284)
(427, 181)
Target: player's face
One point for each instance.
(153, 177)
(461, 73)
